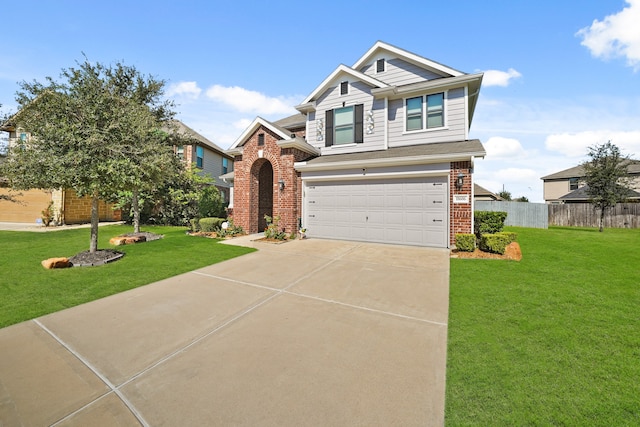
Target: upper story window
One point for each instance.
(344, 125)
(225, 165)
(573, 184)
(380, 66)
(260, 139)
(424, 112)
(344, 88)
(199, 157)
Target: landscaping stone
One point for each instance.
(127, 240)
(56, 263)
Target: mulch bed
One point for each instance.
(104, 256)
(512, 253)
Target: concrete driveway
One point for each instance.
(305, 333)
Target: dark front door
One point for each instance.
(265, 194)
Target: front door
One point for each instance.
(265, 194)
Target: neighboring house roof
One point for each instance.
(192, 134)
(581, 194)
(288, 140)
(481, 191)
(412, 154)
(292, 122)
(578, 172)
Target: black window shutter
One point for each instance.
(328, 133)
(359, 122)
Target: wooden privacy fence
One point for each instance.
(623, 215)
(519, 214)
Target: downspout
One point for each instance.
(386, 122)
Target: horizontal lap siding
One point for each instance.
(399, 72)
(455, 120)
(212, 166)
(359, 93)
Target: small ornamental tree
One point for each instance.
(92, 132)
(606, 177)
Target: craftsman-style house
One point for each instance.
(380, 152)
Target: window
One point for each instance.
(416, 116)
(435, 110)
(344, 88)
(380, 66)
(199, 157)
(573, 184)
(225, 165)
(414, 113)
(180, 152)
(260, 139)
(344, 125)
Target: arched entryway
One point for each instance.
(261, 194)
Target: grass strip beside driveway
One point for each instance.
(550, 340)
(28, 291)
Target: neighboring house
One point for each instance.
(67, 207)
(380, 153)
(206, 156)
(567, 186)
(482, 194)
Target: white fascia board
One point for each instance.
(410, 57)
(300, 144)
(347, 70)
(394, 161)
(306, 108)
(257, 122)
(394, 92)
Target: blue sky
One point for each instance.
(560, 75)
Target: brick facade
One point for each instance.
(460, 214)
(255, 192)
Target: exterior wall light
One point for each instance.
(281, 184)
(460, 181)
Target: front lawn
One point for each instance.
(551, 340)
(27, 290)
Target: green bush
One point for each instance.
(465, 242)
(231, 230)
(195, 225)
(487, 222)
(513, 237)
(496, 243)
(211, 224)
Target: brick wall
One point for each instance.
(286, 203)
(78, 209)
(460, 214)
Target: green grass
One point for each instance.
(551, 340)
(27, 290)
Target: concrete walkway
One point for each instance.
(305, 333)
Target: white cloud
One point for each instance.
(501, 148)
(242, 124)
(617, 35)
(188, 89)
(576, 144)
(249, 101)
(499, 78)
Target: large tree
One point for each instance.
(606, 177)
(95, 131)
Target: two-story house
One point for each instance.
(567, 186)
(380, 152)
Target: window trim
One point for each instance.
(357, 125)
(424, 113)
(199, 159)
(574, 182)
(260, 139)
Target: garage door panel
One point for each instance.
(406, 211)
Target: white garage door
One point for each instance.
(411, 211)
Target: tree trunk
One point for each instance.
(135, 206)
(95, 200)
(601, 219)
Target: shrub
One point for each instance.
(465, 242)
(513, 237)
(208, 225)
(210, 202)
(272, 231)
(231, 230)
(496, 243)
(195, 224)
(487, 222)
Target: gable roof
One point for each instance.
(288, 140)
(342, 69)
(478, 190)
(420, 61)
(185, 130)
(292, 122)
(578, 171)
(581, 194)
